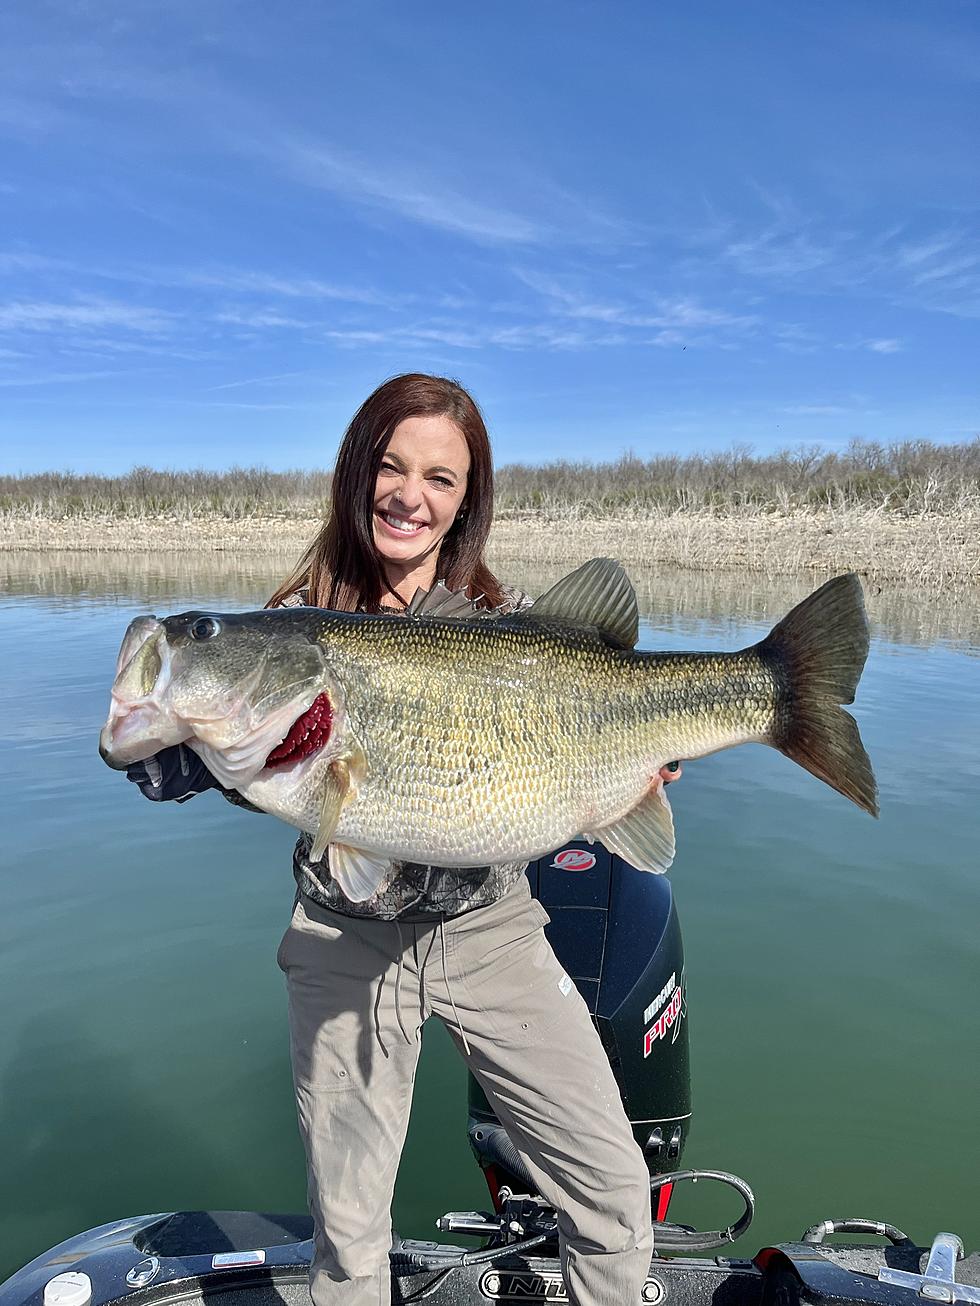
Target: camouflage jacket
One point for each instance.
(415, 890)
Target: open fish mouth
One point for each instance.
(306, 736)
(138, 724)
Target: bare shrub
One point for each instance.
(907, 478)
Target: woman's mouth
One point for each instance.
(404, 526)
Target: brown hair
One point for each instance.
(341, 568)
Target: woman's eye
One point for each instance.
(204, 628)
(443, 481)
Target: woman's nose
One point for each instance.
(409, 490)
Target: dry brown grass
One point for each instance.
(907, 511)
(905, 478)
(930, 549)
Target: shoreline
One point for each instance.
(929, 549)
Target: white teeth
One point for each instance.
(406, 527)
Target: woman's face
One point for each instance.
(420, 488)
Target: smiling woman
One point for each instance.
(420, 490)
(374, 948)
(411, 503)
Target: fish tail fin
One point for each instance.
(818, 652)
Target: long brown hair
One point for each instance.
(341, 568)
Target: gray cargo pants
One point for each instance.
(359, 991)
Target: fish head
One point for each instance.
(246, 692)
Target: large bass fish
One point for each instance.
(459, 740)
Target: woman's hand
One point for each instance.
(671, 772)
(172, 775)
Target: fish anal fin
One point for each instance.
(598, 595)
(360, 874)
(644, 837)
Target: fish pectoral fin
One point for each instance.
(335, 792)
(644, 837)
(358, 873)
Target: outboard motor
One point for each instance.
(615, 931)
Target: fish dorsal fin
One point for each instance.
(440, 601)
(644, 837)
(597, 594)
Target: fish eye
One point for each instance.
(204, 628)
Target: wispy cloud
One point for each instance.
(886, 346)
(264, 283)
(778, 253)
(232, 280)
(42, 316)
(937, 270)
(388, 185)
(55, 378)
(816, 410)
(677, 320)
(258, 380)
(259, 319)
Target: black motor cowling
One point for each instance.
(615, 931)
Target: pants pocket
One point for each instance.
(511, 972)
(282, 956)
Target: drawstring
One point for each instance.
(377, 1016)
(398, 981)
(445, 977)
(398, 984)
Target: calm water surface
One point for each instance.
(833, 961)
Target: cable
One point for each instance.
(444, 1259)
(817, 1232)
(666, 1237)
(507, 1249)
(672, 1238)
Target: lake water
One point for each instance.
(833, 961)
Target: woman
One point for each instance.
(412, 503)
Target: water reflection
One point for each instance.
(667, 597)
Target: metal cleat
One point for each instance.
(938, 1283)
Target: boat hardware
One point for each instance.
(71, 1288)
(143, 1272)
(938, 1283)
(234, 1260)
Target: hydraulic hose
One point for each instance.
(817, 1232)
(674, 1238)
(666, 1237)
(444, 1259)
(493, 1143)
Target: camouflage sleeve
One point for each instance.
(514, 600)
(236, 800)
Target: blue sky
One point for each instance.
(650, 225)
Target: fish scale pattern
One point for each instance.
(482, 743)
(414, 889)
(487, 743)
